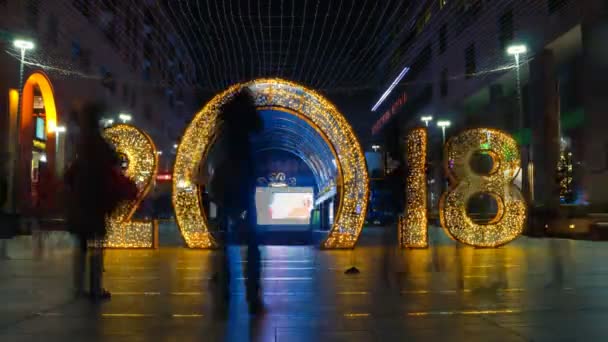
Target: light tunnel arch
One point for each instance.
(290, 132)
(319, 113)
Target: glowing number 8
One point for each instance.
(465, 183)
(138, 148)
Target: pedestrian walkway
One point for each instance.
(532, 289)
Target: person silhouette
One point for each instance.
(233, 188)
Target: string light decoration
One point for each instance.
(498, 183)
(413, 232)
(140, 152)
(204, 128)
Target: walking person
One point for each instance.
(233, 189)
(92, 192)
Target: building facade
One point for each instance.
(126, 56)
(460, 71)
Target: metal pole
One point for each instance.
(519, 99)
(17, 147)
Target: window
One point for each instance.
(505, 29)
(421, 62)
(443, 84)
(83, 6)
(51, 31)
(470, 64)
(443, 38)
(148, 112)
(85, 60)
(556, 5)
(40, 128)
(75, 50)
(32, 14)
(125, 92)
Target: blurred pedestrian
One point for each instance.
(233, 189)
(93, 191)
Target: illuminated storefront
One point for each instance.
(38, 152)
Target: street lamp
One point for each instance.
(125, 117)
(443, 124)
(23, 46)
(375, 148)
(516, 51)
(426, 120)
(107, 122)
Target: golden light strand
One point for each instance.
(199, 136)
(413, 225)
(509, 222)
(141, 154)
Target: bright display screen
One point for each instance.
(284, 206)
(40, 129)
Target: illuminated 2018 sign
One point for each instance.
(465, 183)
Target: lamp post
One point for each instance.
(426, 120)
(23, 46)
(443, 124)
(516, 51)
(125, 117)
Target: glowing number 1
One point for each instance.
(140, 152)
(413, 231)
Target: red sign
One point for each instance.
(164, 177)
(389, 113)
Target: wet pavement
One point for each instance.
(531, 289)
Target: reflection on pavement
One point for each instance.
(530, 289)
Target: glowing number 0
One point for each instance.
(123, 232)
(498, 183)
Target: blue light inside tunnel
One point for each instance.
(286, 132)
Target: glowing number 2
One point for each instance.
(498, 183)
(140, 152)
(413, 231)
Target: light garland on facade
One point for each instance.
(413, 231)
(200, 134)
(509, 222)
(142, 159)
